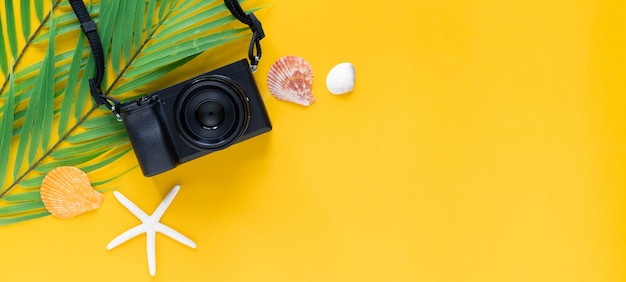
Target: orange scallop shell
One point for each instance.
(291, 79)
(66, 192)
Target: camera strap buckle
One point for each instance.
(254, 51)
(101, 99)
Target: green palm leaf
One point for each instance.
(39, 10)
(39, 113)
(47, 116)
(4, 64)
(11, 29)
(20, 218)
(25, 13)
(24, 197)
(6, 128)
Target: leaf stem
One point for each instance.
(30, 41)
(138, 51)
(48, 152)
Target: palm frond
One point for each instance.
(66, 20)
(17, 48)
(72, 79)
(6, 129)
(48, 119)
(24, 197)
(11, 28)
(16, 219)
(39, 10)
(4, 61)
(25, 14)
(37, 125)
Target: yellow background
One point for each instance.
(485, 141)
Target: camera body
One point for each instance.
(188, 120)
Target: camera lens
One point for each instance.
(212, 112)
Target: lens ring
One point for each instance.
(216, 133)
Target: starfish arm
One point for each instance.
(151, 248)
(131, 206)
(130, 233)
(170, 232)
(165, 203)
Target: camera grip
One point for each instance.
(150, 140)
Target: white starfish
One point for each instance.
(150, 225)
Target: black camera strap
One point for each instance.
(89, 27)
(254, 51)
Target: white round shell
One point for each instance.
(340, 79)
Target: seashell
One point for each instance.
(66, 192)
(340, 79)
(291, 79)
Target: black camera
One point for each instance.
(204, 114)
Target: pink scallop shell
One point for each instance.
(291, 79)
